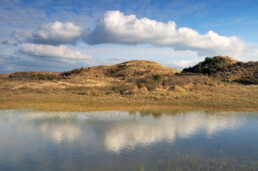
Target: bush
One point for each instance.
(218, 66)
(38, 76)
(248, 80)
(210, 65)
(157, 77)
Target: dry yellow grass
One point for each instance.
(221, 97)
(129, 85)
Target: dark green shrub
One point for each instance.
(157, 77)
(218, 66)
(50, 77)
(210, 65)
(248, 80)
(38, 76)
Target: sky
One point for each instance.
(53, 35)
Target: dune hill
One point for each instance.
(134, 68)
(211, 65)
(246, 73)
(127, 69)
(219, 67)
(227, 69)
(135, 76)
(214, 83)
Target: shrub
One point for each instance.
(39, 76)
(248, 80)
(157, 77)
(218, 66)
(210, 65)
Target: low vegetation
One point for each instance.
(218, 82)
(226, 69)
(248, 80)
(211, 65)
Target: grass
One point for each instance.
(221, 97)
(129, 85)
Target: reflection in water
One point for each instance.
(165, 128)
(66, 140)
(128, 131)
(60, 132)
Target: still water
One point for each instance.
(122, 140)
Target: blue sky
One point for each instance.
(62, 35)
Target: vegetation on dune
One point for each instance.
(248, 80)
(239, 72)
(137, 68)
(33, 75)
(218, 67)
(226, 69)
(135, 83)
(211, 65)
(157, 77)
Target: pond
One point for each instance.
(128, 140)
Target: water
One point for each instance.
(33, 140)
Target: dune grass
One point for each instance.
(230, 97)
(134, 84)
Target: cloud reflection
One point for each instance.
(60, 132)
(148, 130)
(115, 131)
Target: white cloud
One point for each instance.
(115, 27)
(58, 33)
(51, 51)
(185, 63)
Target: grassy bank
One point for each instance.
(233, 97)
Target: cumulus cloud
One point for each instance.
(58, 33)
(116, 27)
(51, 51)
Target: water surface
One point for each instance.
(122, 140)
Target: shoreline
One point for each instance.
(46, 106)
